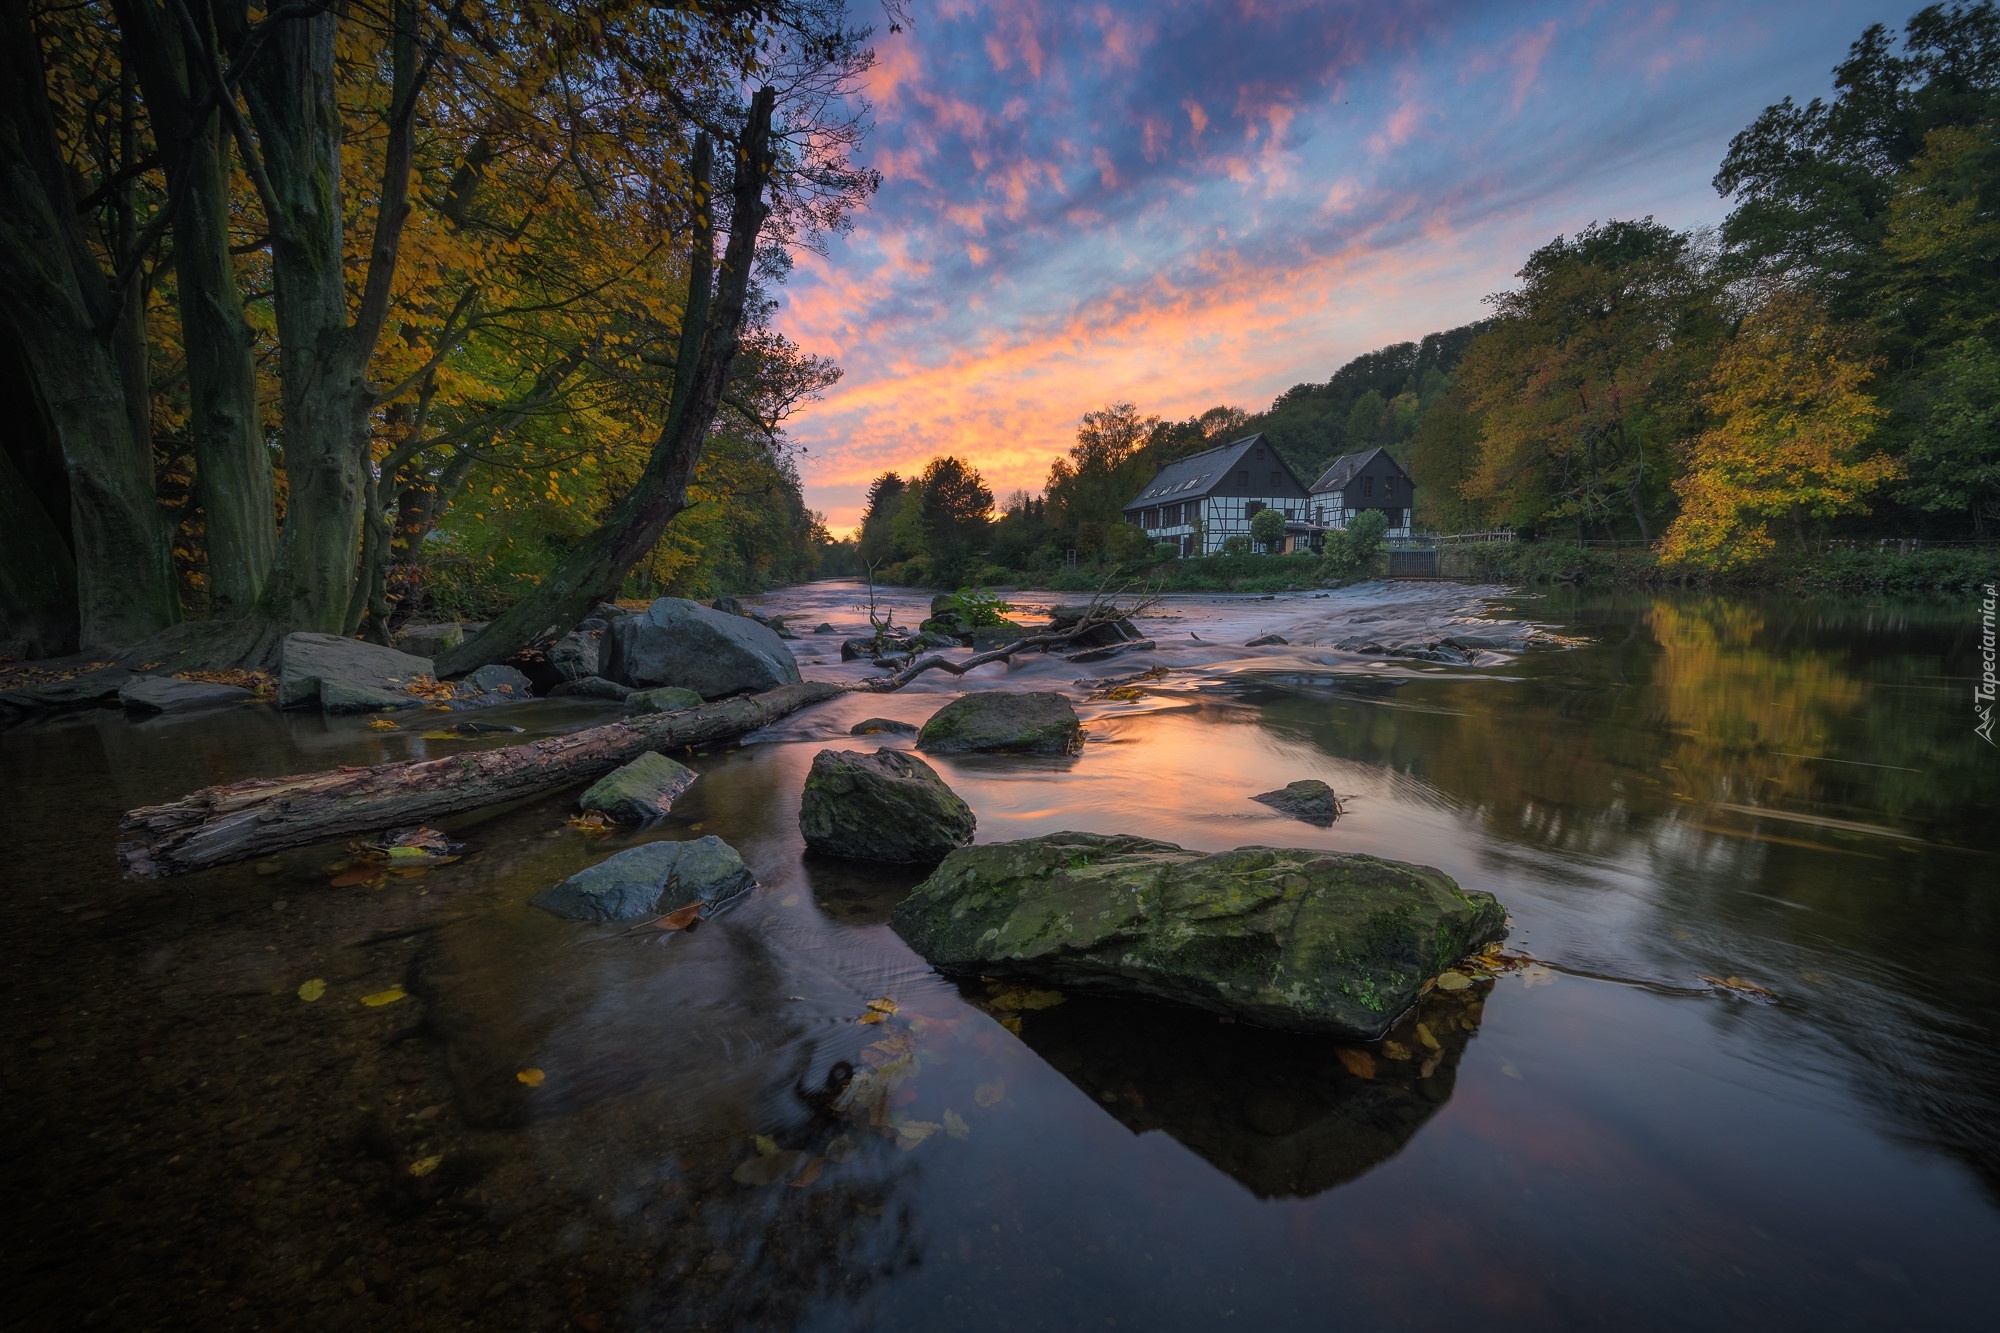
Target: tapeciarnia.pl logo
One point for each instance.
(1983, 692)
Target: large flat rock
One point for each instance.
(1287, 937)
(678, 642)
(365, 674)
(169, 694)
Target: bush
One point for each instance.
(1236, 546)
(1267, 528)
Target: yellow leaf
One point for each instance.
(765, 1144)
(1022, 997)
(912, 1132)
(1012, 1023)
(382, 997)
(382, 724)
(312, 990)
(1424, 1036)
(872, 1016)
(423, 1166)
(885, 1005)
(1395, 1050)
(1359, 1063)
(989, 1094)
(1453, 981)
(532, 1077)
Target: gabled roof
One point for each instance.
(1336, 477)
(1198, 474)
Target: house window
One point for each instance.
(1253, 508)
(1368, 488)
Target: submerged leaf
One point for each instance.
(1453, 981)
(1395, 1050)
(1023, 997)
(912, 1132)
(423, 1166)
(1424, 1035)
(765, 1145)
(311, 990)
(885, 1005)
(532, 1077)
(382, 724)
(954, 1125)
(768, 1168)
(813, 1170)
(382, 997)
(680, 919)
(1358, 1062)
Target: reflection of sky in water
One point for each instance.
(1604, 1140)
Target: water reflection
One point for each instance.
(1286, 1115)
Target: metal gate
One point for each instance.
(1413, 562)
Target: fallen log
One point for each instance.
(218, 825)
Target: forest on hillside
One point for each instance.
(1823, 366)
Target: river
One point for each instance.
(552, 1125)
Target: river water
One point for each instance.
(561, 1125)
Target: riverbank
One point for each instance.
(1922, 572)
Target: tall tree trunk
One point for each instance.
(291, 88)
(710, 329)
(177, 70)
(84, 345)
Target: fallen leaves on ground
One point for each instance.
(878, 1010)
(15, 678)
(594, 822)
(424, 687)
(1018, 998)
(1749, 990)
(534, 1078)
(1395, 1050)
(382, 997)
(260, 683)
(1358, 1062)
(311, 990)
(679, 919)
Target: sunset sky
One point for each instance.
(1185, 204)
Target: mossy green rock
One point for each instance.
(664, 699)
(886, 806)
(1315, 941)
(1003, 720)
(644, 789)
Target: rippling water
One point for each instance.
(1788, 793)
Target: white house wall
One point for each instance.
(1224, 517)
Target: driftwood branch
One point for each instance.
(218, 825)
(1102, 610)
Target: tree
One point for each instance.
(957, 507)
(1954, 454)
(1444, 452)
(1792, 419)
(1585, 381)
(885, 493)
(1267, 528)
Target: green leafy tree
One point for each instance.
(885, 496)
(1267, 528)
(1443, 456)
(957, 508)
(1954, 454)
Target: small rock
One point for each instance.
(1267, 640)
(729, 606)
(650, 880)
(166, 694)
(1308, 799)
(430, 640)
(870, 726)
(499, 678)
(644, 789)
(824, 629)
(1042, 722)
(665, 699)
(590, 687)
(886, 806)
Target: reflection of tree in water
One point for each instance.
(1288, 1116)
(1632, 751)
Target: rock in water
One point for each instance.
(1313, 941)
(665, 699)
(870, 725)
(499, 678)
(168, 694)
(1308, 799)
(593, 687)
(651, 880)
(1266, 641)
(678, 642)
(1039, 723)
(360, 676)
(886, 806)
(644, 789)
(430, 640)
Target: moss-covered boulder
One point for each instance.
(1308, 940)
(644, 789)
(886, 806)
(663, 699)
(1003, 720)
